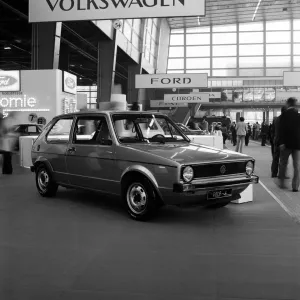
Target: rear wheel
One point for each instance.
(44, 182)
(140, 198)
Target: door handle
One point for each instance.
(72, 149)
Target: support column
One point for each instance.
(64, 57)
(267, 117)
(45, 45)
(132, 92)
(107, 57)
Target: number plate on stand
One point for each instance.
(219, 194)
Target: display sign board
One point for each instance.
(32, 118)
(41, 121)
(212, 95)
(10, 81)
(283, 96)
(291, 78)
(187, 98)
(166, 81)
(76, 10)
(161, 103)
(69, 83)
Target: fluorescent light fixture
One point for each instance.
(257, 7)
(7, 48)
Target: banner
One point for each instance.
(187, 98)
(283, 96)
(166, 81)
(76, 10)
(161, 103)
(10, 81)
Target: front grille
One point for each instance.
(214, 170)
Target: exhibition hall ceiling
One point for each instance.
(240, 11)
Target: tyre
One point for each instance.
(140, 198)
(44, 182)
(218, 205)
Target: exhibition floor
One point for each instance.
(82, 245)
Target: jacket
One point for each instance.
(289, 129)
(241, 128)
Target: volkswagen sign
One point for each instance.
(10, 81)
(223, 170)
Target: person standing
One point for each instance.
(233, 133)
(275, 135)
(257, 129)
(289, 141)
(204, 124)
(224, 134)
(264, 133)
(247, 137)
(241, 131)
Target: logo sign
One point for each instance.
(166, 81)
(291, 79)
(10, 81)
(212, 95)
(161, 103)
(32, 118)
(187, 98)
(223, 170)
(41, 121)
(76, 10)
(69, 83)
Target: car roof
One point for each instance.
(110, 112)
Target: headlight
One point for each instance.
(188, 174)
(249, 168)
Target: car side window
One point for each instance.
(31, 129)
(92, 131)
(60, 131)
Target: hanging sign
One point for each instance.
(187, 98)
(161, 103)
(291, 79)
(10, 81)
(76, 10)
(69, 83)
(212, 95)
(166, 81)
(32, 118)
(41, 121)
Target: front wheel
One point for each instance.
(140, 199)
(45, 183)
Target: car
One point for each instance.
(142, 157)
(25, 130)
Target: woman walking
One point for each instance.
(241, 131)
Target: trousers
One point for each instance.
(7, 164)
(275, 161)
(240, 143)
(284, 159)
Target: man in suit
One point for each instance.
(274, 135)
(289, 141)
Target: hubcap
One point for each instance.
(137, 198)
(43, 180)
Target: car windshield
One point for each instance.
(142, 128)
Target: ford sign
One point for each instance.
(6, 81)
(70, 83)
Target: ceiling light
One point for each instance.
(7, 48)
(257, 7)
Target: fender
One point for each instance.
(44, 161)
(147, 173)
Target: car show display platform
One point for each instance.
(82, 245)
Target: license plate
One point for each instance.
(219, 194)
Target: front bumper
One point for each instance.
(215, 184)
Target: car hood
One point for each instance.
(190, 153)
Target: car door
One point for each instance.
(55, 147)
(91, 155)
